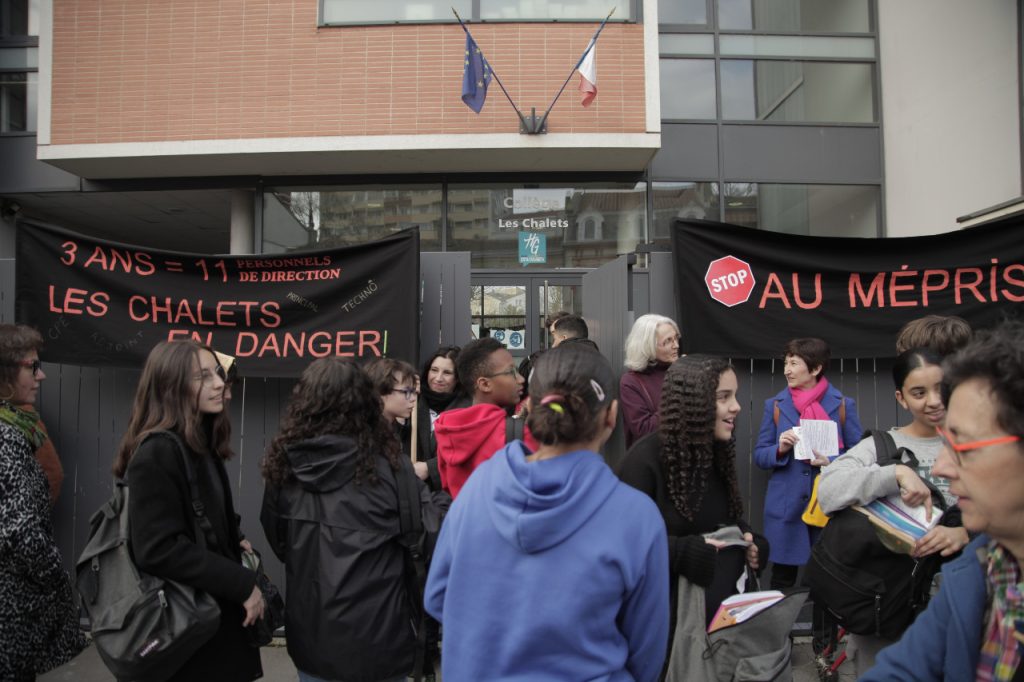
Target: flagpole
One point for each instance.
(501, 85)
(590, 46)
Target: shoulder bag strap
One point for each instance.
(513, 429)
(205, 535)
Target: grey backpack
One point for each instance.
(144, 628)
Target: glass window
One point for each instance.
(686, 43)
(820, 92)
(499, 311)
(804, 47)
(687, 88)
(548, 226)
(683, 12)
(795, 16)
(362, 12)
(558, 10)
(18, 97)
(817, 210)
(389, 12)
(19, 18)
(327, 218)
(674, 200)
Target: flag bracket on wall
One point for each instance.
(531, 125)
(478, 74)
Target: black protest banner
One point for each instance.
(103, 303)
(745, 292)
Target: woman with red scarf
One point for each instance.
(808, 395)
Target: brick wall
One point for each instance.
(166, 70)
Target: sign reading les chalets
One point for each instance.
(745, 293)
(103, 303)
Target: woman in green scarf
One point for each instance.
(38, 619)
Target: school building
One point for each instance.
(273, 126)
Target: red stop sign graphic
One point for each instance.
(730, 281)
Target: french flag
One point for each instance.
(588, 75)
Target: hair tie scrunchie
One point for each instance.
(552, 401)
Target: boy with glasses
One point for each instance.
(468, 436)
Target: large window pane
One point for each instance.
(819, 92)
(687, 88)
(818, 210)
(18, 97)
(686, 43)
(546, 226)
(363, 12)
(674, 200)
(19, 18)
(804, 47)
(559, 10)
(683, 12)
(795, 16)
(296, 220)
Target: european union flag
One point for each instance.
(476, 76)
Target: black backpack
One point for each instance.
(869, 589)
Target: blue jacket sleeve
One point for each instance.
(644, 617)
(767, 448)
(852, 430)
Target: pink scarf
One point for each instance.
(808, 406)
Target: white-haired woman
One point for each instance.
(652, 345)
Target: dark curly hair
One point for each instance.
(334, 396)
(687, 427)
(995, 356)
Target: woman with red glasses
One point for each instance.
(974, 627)
(38, 619)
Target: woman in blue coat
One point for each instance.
(807, 396)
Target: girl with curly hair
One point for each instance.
(688, 467)
(331, 515)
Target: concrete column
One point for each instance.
(243, 227)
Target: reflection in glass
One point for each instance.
(296, 220)
(562, 10)
(818, 210)
(820, 92)
(580, 226)
(674, 200)
(18, 98)
(499, 311)
(560, 297)
(683, 12)
(792, 16)
(687, 88)
(361, 12)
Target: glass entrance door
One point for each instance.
(513, 308)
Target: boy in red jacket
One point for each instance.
(471, 435)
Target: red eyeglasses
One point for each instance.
(34, 365)
(957, 449)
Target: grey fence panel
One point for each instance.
(444, 300)
(7, 291)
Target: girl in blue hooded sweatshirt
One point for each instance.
(548, 567)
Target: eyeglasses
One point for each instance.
(409, 393)
(34, 365)
(511, 371)
(958, 449)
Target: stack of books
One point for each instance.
(898, 525)
(741, 607)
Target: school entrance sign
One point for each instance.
(729, 280)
